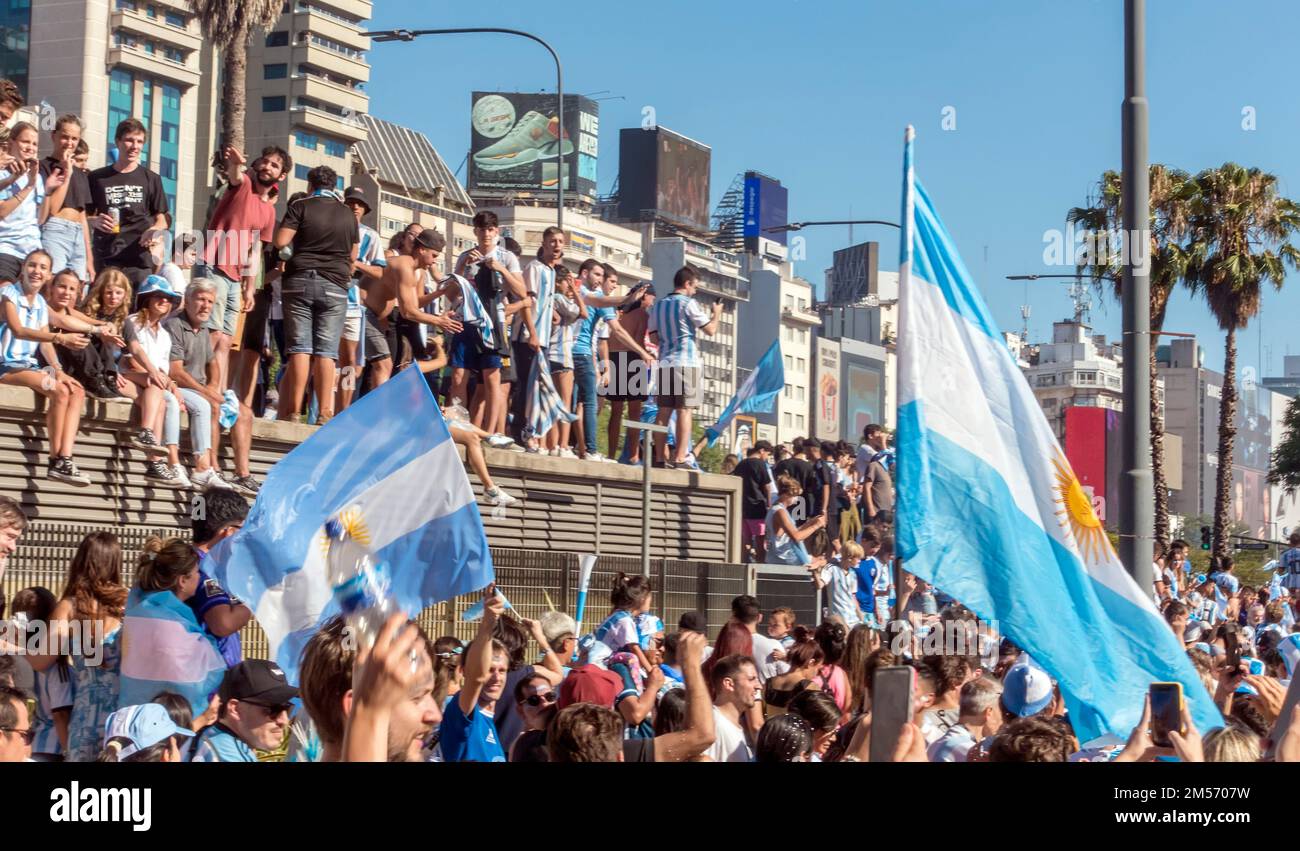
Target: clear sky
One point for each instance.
(817, 95)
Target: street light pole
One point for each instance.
(1137, 494)
(411, 35)
(802, 225)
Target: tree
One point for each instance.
(1172, 192)
(229, 25)
(1284, 468)
(1241, 227)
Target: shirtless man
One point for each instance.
(399, 288)
(630, 368)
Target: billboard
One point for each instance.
(853, 272)
(1093, 449)
(863, 392)
(516, 146)
(766, 202)
(827, 398)
(664, 174)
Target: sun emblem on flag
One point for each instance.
(1075, 513)
(354, 523)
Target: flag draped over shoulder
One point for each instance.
(990, 511)
(165, 648)
(389, 461)
(758, 393)
(473, 314)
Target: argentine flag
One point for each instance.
(757, 394)
(389, 456)
(990, 511)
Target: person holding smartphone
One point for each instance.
(66, 231)
(24, 195)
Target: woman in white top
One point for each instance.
(24, 200)
(784, 539)
(149, 348)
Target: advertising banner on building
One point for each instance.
(827, 398)
(766, 201)
(864, 393)
(664, 175)
(516, 146)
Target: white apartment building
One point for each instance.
(780, 307)
(306, 86)
(1076, 368)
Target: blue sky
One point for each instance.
(817, 95)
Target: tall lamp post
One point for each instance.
(411, 35)
(1136, 487)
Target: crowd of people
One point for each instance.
(298, 313)
(79, 679)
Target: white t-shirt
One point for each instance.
(729, 743)
(842, 589)
(768, 667)
(157, 345)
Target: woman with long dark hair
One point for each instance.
(805, 658)
(85, 626)
(832, 637)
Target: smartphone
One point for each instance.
(1232, 647)
(891, 708)
(1166, 712)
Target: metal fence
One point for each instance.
(533, 581)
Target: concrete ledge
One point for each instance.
(566, 505)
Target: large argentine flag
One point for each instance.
(757, 394)
(391, 457)
(165, 649)
(990, 511)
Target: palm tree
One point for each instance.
(1242, 228)
(1172, 192)
(229, 25)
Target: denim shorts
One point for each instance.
(225, 311)
(314, 311)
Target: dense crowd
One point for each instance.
(295, 316)
(764, 688)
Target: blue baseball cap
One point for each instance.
(1026, 688)
(157, 284)
(1199, 580)
(145, 725)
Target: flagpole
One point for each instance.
(1137, 492)
(904, 275)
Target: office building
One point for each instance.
(780, 307)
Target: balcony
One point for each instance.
(153, 64)
(324, 91)
(350, 129)
(341, 64)
(802, 315)
(187, 39)
(331, 28)
(362, 9)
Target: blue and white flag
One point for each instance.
(990, 511)
(389, 456)
(165, 648)
(758, 393)
(545, 405)
(474, 315)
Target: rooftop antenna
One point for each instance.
(1024, 326)
(1081, 295)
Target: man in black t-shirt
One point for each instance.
(128, 202)
(802, 471)
(754, 500)
(324, 237)
(65, 234)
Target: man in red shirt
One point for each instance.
(242, 226)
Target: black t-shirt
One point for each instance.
(639, 750)
(78, 195)
(805, 474)
(326, 232)
(139, 195)
(753, 493)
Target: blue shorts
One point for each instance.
(465, 353)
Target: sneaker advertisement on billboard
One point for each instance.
(516, 146)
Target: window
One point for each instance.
(335, 149)
(300, 171)
(306, 140)
(273, 104)
(175, 20)
(176, 55)
(789, 362)
(798, 421)
(279, 38)
(126, 5)
(275, 71)
(120, 84)
(338, 184)
(799, 394)
(1086, 377)
(803, 304)
(1046, 380)
(149, 47)
(787, 419)
(150, 12)
(167, 168)
(801, 365)
(789, 392)
(789, 302)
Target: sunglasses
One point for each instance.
(538, 699)
(27, 735)
(274, 711)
